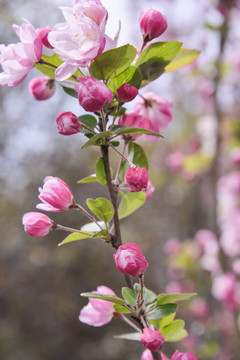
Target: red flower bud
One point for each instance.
(129, 259)
(68, 123)
(126, 93)
(43, 34)
(93, 94)
(152, 339)
(37, 224)
(41, 88)
(136, 178)
(152, 24)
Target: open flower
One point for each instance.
(98, 312)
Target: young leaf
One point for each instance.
(131, 336)
(167, 320)
(137, 155)
(128, 130)
(121, 309)
(183, 58)
(75, 237)
(148, 295)
(88, 120)
(130, 203)
(100, 171)
(111, 298)
(88, 179)
(172, 298)
(100, 233)
(131, 76)
(162, 311)
(112, 62)
(174, 332)
(129, 295)
(96, 139)
(155, 57)
(102, 208)
(70, 91)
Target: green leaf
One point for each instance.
(70, 91)
(174, 332)
(75, 237)
(131, 76)
(183, 58)
(100, 233)
(111, 298)
(162, 311)
(129, 295)
(148, 295)
(130, 203)
(96, 139)
(155, 57)
(113, 62)
(102, 208)
(137, 155)
(100, 171)
(88, 120)
(172, 298)
(131, 336)
(88, 179)
(128, 130)
(121, 309)
(167, 320)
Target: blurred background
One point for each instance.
(40, 283)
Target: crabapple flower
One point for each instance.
(183, 356)
(77, 43)
(98, 312)
(147, 355)
(17, 60)
(42, 87)
(175, 160)
(225, 288)
(157, 109)
(93, 94)
(136, 178)
(149, 190)
(133, 120)
(152, 24)
(152, 339)
(68, 123)
(55, 195)
(37, 224)
(43, 34)
(129, 260)
(126, 93)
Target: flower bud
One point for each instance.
(133, 120)
(136, 178)
(129, 259)
(183, 356)
(149, 190)
(93, 94)
(152, 339)
(55, 195)
(98, 312)
(37, 224)
(126, 93)
(68, 123)
(42, 87)
(152, 24)
(43, 34)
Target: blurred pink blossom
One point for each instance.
(133, 120)
(42, 87)
(174, 161)
(225, 288)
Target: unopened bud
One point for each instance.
(68, 123)
(126, 93)
(136, 178)
(152, 24)
(41, 88)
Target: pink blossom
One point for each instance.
(152, 24)
(43, 34)
(37, 224)
(77, 43)
(129, 259)
(17, 60)
(41, 88)
(236, 267)
(98, 312)
(126, 93)
(55, 195)
(146, 355)
(92, 94)
(149, 190)
(175, 160)
(183, 356)
(199, 308)
(152, 339)
(207, 241)
(136, 178)
(134, 120)
(157, 109)
(172, 246)
(224, 289)
(68, 123)
(235, 155)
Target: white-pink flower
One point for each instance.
(98, 312)
(225, 288)
(157, 109)
(17, 60)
